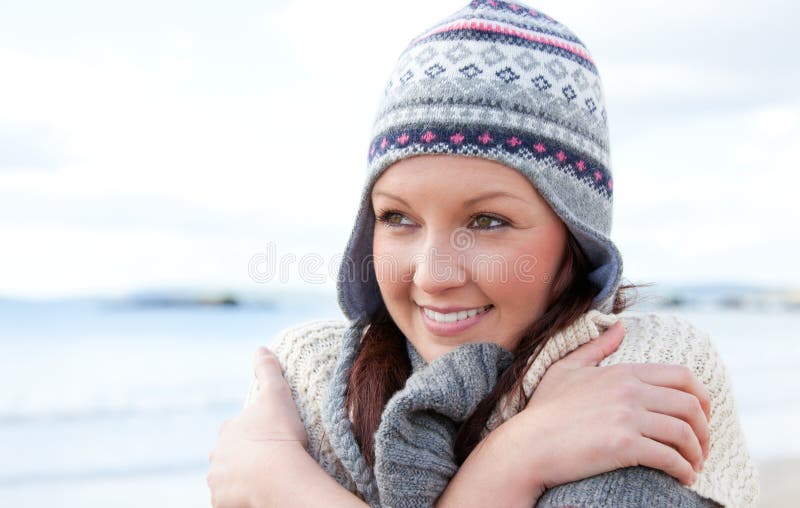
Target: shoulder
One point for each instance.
(729, 475)
(307, 353)
(314, 342)
(664, 338)
(668, 326)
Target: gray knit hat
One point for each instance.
(505, 82)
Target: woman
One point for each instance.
(479, 365)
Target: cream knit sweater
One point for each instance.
(308, 355)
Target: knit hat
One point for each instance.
(504, 82)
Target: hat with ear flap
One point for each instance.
(504, 82)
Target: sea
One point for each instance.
(105, 403)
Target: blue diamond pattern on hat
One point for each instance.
(406, 77)
(507, 75)
(591, 105)
(541, 83)
(434, 70)
(569, 92)
(470, 71)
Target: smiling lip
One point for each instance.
(448, 310)
(454, 328)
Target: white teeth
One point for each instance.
(452, 317)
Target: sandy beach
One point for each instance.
(780, 483)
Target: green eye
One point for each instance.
(392, 219)
(487, 222)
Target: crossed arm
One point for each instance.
(273, 464)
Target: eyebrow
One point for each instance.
(469, 202)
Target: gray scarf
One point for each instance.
(414, 442)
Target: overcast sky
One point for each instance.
(149, 144)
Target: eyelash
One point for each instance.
(383, 216)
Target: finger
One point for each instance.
(593, 352)
(679, 404)
(678, 377)
(676, 433)
(657, 455)
(267, 368)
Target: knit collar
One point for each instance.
(435, 398)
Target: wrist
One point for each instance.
(523, 465)
(500, 471)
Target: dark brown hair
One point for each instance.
(382, 366)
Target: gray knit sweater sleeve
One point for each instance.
(414, 443)
(628, 487)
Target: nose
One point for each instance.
(437, 265)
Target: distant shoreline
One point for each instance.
(661, 296)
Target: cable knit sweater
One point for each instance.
(309, 353)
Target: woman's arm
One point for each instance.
(297, 480)
(584, 421)
(260, 458)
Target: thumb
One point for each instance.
(267, 368)
(593, 352)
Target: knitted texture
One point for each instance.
(504, 82)
(414, 443)
(337, 422)
(628, 487)
(309, 354)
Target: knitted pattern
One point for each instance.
(628, 487)
(414, 459)
(309, 354)
(336, 420)
(504, 82)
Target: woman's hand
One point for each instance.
(598, 419)
(584, 420)
(261, 437)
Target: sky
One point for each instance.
(171, 144)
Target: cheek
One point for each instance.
(521, 271)
(523, 264)
(392, 261)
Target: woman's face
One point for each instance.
(465, 251)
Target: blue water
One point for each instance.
(111, 405)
